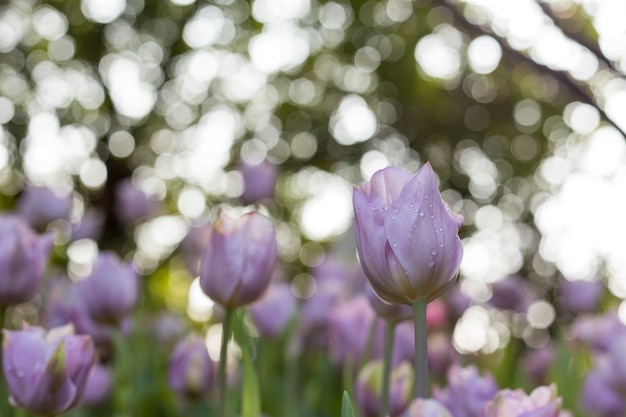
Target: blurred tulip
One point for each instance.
(597, 332)
(23, 259)
(467, 391)
(577, 297)
(598, 397)
(41, 205)
(272, 312)
(259, 181)
(426, 408)
(239, 259)
(191, 372)
(111, 291)
(542, 402)
(133, 204)
(90, 226)
(46, 372)
(537, 363)
(98, 385)
(368, 388)
(349, 323)
(406, 236)
(512, 293)
(193, 245)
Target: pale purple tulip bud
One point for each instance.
(598, 397)
(239, 259)
(576, 297)
(597, 332)
(542, 402)
(111, 291)
(467, 391)
(274, 310)
(349, 324)
(99, 384)
(24, 256)
(393, 313)
(426, 408)
(46, 372)
(191, 371)
(537, 363)
(259, 181)
(368, 389)
(42, 205)
(512, 293)
(406, 236)
(133, 204)
(90, 226)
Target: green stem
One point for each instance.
(389, 331)
(222, 379)
(420, 387)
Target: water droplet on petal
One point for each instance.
(411, 205)
(395, 244)
(421, 213)
(441, 245)
(393, 217)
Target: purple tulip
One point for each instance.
(272, 312)
(368, 389)
(193, 245)
(111, 291)
(99, 384)
(406, 236)
(597, 332)
(426, 408)
(46, 372)
(239, 259)
(512, 293)
(191, 371)
(578, 297)
(349, 323)
(133, 204)
(42, 205)
(598, 397)
(23, 259)
(467, 391)
(537, 363)
(259, 181)
(542, 402)
(90, 226)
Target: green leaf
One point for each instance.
(346, 406)
(250, 394)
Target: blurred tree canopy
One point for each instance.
(497, 95)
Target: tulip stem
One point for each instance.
(389, 332)
(222, 378)
(420, 389)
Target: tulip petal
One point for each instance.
(387, 184)
(260, 256)
(223, 260)
(423, 234)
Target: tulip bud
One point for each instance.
(272, 312)
(111, 290)
(98, 386)
(467, 391)
(46, 372)
(426, 408)
(259, 181)
(191, 371)
(406, 236)
(41, 205)
(369, 388)
(133, 204)
(23, 259)
(239, 259)
(542, 402)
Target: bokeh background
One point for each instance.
(519, 105)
